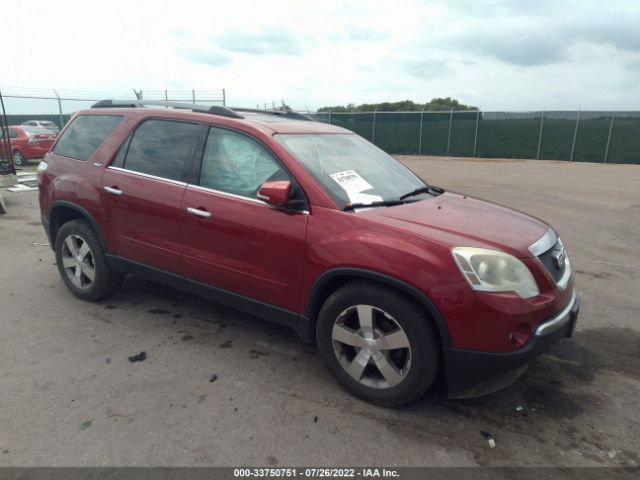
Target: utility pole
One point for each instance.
(59, 108)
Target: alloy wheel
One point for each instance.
(371, 346)
(77, 261)
(17, 158)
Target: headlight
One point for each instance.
(494, 271)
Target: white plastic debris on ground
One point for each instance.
(27, 182)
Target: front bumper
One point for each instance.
(471, 373)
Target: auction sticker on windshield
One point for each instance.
(353, 184)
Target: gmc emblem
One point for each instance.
(559, 257)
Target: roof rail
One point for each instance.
(280, 113)
(215, 109)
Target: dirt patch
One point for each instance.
(602, 348)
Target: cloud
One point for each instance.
(507, 54)
(207, 56)
(357, 33)
(266, 42)
(516, 47)
(535, 32)
(427, 68)
(622, 33)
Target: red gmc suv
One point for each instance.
(310, 226)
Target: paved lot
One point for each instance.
(69, 395)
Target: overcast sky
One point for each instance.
(516, 55)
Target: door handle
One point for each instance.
(113, 190)
(199, 213)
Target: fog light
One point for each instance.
(520, 335)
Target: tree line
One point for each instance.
(436, 104)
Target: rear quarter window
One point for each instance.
(85, 134)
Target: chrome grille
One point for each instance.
(552, 254)
(555, 260)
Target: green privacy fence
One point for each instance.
(603, 137)
(20, 119)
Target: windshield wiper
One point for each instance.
(435, 191)
(382, 203)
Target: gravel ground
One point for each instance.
(223, 388)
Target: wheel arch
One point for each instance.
(63, 211)
(329, 281)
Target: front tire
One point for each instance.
(378, 343)
(82, 262)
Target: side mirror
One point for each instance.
(276, 193)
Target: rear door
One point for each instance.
(4, 146)
(144, 187)
(18, 138)
(233, 240)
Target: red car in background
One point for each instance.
(28, 143)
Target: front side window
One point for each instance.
(162, 148)
(85, 134)
(350, 169)
(235, 163)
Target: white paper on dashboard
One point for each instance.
(359, 197)
(353, 184)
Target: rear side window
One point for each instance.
(85, 134)
(162, 148)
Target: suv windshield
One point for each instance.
(351, 169)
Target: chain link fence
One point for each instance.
(580, 136)
(59, 105)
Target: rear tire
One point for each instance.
(378, 343)
(82, 262)
(18, 159)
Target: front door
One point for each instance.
(233, 240)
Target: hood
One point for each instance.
(464, 221)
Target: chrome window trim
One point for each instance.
(544, 243)
(198, 187)
(146, 175)
(237, 197)
(558, 320)
(228, 194)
